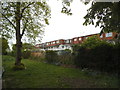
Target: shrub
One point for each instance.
(26, 54)
(51, 57)
(103, 57)
(91, 42)
(7, 58)
(40, 57)
(66, 59)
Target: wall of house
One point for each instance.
(66, 44)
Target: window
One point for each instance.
(57, 41)
(108, 34)
(75, 39)
(80, 39)
(62, 46)
(53, 42)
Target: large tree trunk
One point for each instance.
(18, 35)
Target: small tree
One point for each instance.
(24, 18)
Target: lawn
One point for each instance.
(43, 75)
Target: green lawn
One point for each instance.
(43, 75)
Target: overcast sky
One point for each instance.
(63, 26)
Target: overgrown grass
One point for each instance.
(43, 75)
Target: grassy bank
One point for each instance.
(43, 75)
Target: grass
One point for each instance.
(43, 75)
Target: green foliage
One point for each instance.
(51, 57)
(68, 50)
(33, 18)
(59, 57)
(103, 57)
(26, 50)
(4, 45)
(26, 54)
(66, 7)
(27, 46)
(7, 58)
(66, 59)
(104, 14)
(91, 42)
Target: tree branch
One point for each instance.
(23, 31)
(25, 8)
(9, 20)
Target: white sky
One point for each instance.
(63, 26)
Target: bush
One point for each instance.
(51, 57)
(66, 59)
(103, 57)
(7, 58)
(26, 54)
(40, 58)
(59, 57)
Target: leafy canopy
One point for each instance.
(25, 46)
(33, 18)
(104, 14)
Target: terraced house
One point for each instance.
(63, 44)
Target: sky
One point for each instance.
(63, 26)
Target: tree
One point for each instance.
(91, 42)
(24, 18)
(5, 45)
(104, 14)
